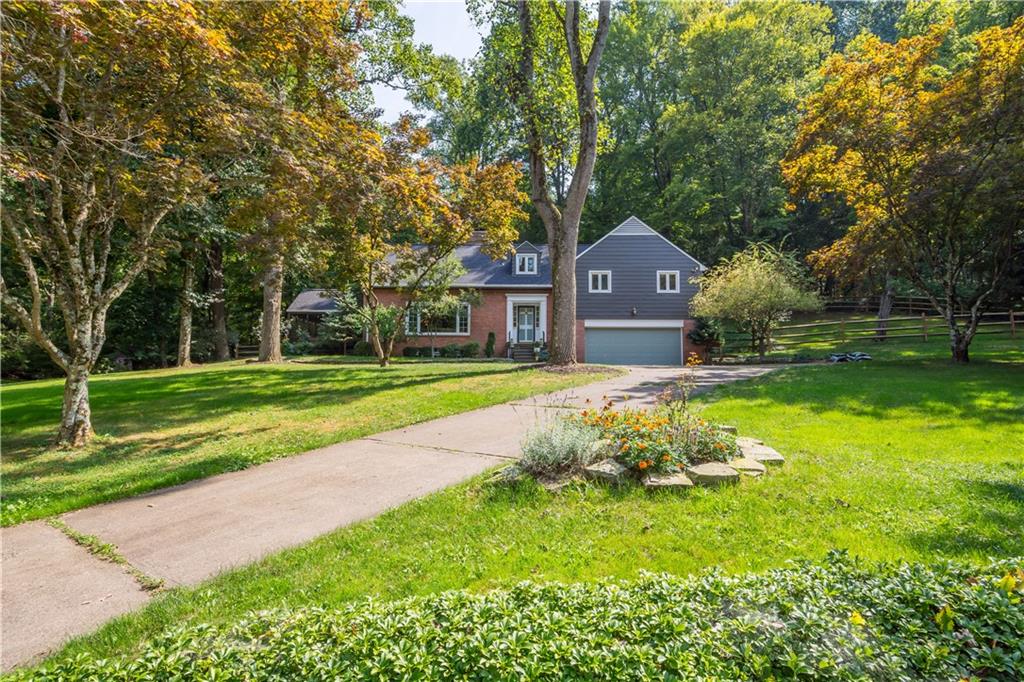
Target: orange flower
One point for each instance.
(625, 447)
(665, 458)
(642, 464)
(642, 446)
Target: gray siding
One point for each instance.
(634, 260)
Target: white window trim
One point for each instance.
(657, 280)
(419, 331)
(522, 260)
(590, 281)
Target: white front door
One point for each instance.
(526, 321)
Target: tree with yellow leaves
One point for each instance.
(930, 157)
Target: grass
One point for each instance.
(999, 346)
(899, 459)
(161, 428)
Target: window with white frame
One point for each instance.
(455, 323)
(600, 281)
(668, 281)
(526, 264)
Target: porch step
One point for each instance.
(522, 352)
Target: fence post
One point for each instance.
(924, 326)
(1013, 325)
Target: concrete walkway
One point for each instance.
(53, 589)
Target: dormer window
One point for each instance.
(526, 264)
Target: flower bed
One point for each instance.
(663, 440)
(839, 620)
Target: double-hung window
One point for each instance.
(454, 323)
(668, 281)
(600, 281)
(526, 264)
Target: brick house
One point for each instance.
(633, 290)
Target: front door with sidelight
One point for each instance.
(526, 323)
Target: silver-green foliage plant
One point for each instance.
(559, 446)
(840, 620)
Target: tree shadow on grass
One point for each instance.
(148, 465)
(124, 405)
(137, 451)
(993, 529)
(981, 394)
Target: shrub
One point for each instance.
(559, 446)
(451, 350)
(411, 352)
(838, 620)
(362, 347)
(470, 350)
(489, 346)
(707, 333)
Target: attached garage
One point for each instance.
(618, 344)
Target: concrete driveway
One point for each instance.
(53, 590)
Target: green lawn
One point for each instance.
(905, 459)
(990, 345)
(161, 428)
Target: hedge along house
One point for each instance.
(633, 291)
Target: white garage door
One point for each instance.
(617, 346)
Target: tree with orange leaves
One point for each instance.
(931, 160)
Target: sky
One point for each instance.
(446, 26)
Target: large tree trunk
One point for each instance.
(562, 224)
(884, 309)
(76, 415)
(562, 347)
(185, 311)
(270, 335)
(218, 308)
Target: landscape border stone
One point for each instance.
(713, 474)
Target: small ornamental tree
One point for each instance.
(757, 289)
(414, 212)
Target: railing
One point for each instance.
(922, 327)
(869, 304)
(246, 351)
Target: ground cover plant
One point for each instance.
(161, 428)
(838, 620)
(916, 460)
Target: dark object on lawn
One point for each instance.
(848, 357)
